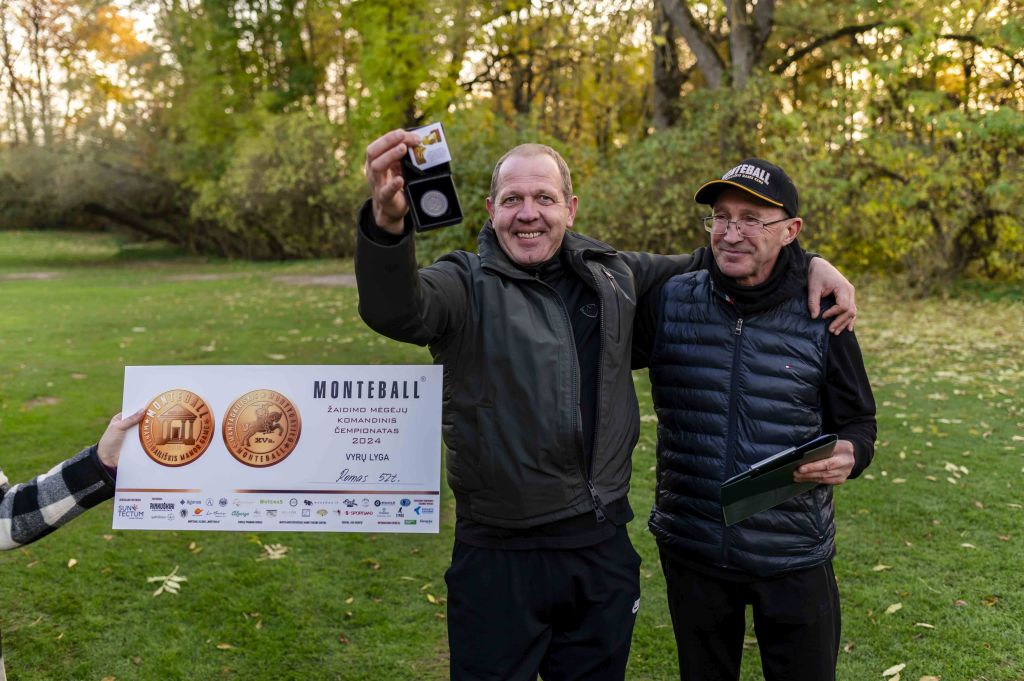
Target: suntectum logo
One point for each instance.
(130, 512)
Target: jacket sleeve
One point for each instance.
(399, 300)
(645, 327)
(34, 509)
(651, 270)
(848, 405)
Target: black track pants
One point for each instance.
(796, 621)
(565, 613)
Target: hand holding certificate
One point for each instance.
(283, 448)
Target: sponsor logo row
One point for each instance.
(353, 510)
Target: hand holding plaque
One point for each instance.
(429, 188)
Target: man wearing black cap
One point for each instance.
(740, 372)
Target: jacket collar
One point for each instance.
(493, 258)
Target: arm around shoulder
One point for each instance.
(650, 269)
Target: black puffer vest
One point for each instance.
(730, 391)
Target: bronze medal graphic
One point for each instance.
(177, 428)
(261, 428)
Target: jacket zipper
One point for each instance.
(598, 504)
(577, 430)
(730, 444)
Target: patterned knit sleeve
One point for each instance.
(32, 510)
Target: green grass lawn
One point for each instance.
(935, 527)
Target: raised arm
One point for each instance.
(396, 298)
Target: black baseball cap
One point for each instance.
(756, 176)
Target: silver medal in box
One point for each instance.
(429, 187)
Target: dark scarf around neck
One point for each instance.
(787, 280)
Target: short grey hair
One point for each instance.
(528, 150)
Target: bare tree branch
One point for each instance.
(783, 64)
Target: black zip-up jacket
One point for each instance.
(511, 419)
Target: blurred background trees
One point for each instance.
(237, 127)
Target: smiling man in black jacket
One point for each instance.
(740, 372)
(540, 415)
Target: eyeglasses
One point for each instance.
(748, 227)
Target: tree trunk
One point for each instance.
(709, 63)
(748, 34)
(668, 78)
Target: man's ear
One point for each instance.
(573, 204)
(792, 229)
(490, 208)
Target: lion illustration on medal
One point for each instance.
(266, 422)
(261, 428)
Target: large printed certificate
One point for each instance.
(282, 448)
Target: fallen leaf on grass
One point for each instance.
(224, 646)
(924, 625)
(930, 678)
(275, 356)
(430, 597)
(40, 402)
(171, 582)
(348, 601)
(965, 545)
(72, 563)
(880, 567)
(895, 669)
(273, 552)
(109, 678)
(989, 601)
(342, 638)
(893, 608)
(959, 603)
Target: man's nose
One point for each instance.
(732, 233)
(527, 211)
